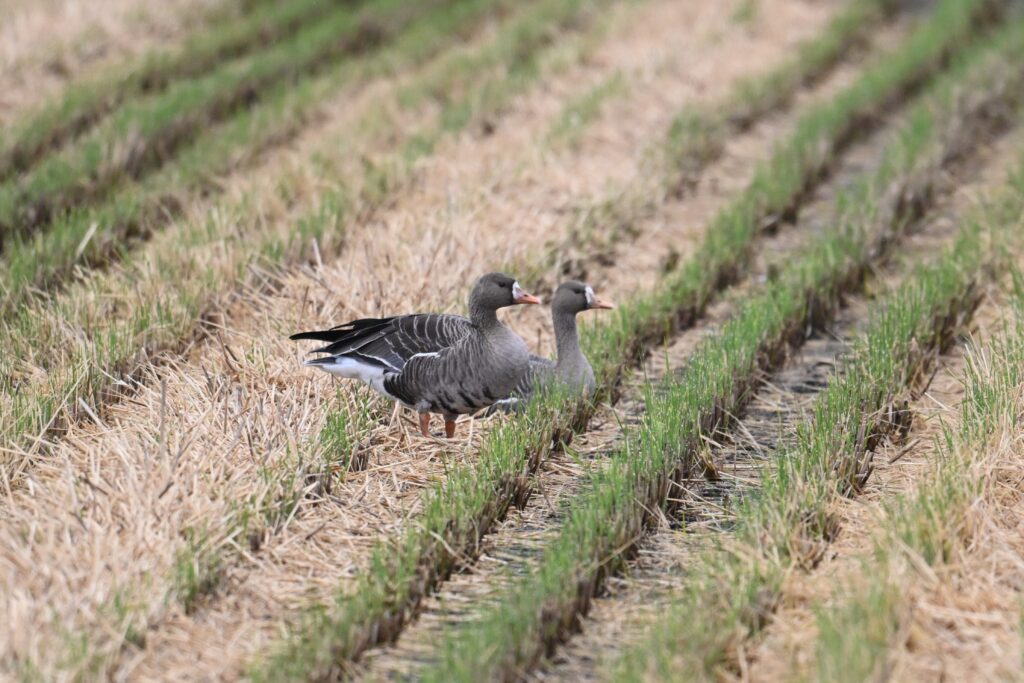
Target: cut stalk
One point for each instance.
(156, 127)
(85, 104)
(464, 508)
(606, 523)
(115, 348)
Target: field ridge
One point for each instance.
(449, 533)
(541, 608)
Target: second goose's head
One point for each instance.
(497, 290)
(573, 297)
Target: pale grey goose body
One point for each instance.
(571, 368)
(434, 363)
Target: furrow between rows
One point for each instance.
(739, 457)
(605, 523)
(515, 545)
(380, 604)
(83, 105)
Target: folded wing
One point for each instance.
(390, 342)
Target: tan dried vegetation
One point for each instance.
(136, 513)
(182, 522)
(46, 44)
(962, 622)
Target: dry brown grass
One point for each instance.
(46, 44)
(964, 620)
(106, 510)
(961, 620)
(958, 623)
(635, 599)
(929, 651)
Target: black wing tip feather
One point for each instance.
(340, 332)
(309, 335)
(362, 324)
(322, 360)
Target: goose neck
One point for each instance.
(567, 338)
(484, 317)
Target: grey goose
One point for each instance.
(433, 362)
(571, 369)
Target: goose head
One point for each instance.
(497, 290)
(573, 297)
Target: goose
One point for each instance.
(572, 368)
(433, 362)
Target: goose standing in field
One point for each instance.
(433, 362)
(572, 368)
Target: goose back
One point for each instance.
(473, 373)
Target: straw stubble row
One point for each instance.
(243, 377)
(472, 498)
(606, 521)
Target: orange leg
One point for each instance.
(425, 424)
(449, 428)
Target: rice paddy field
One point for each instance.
(804, 460)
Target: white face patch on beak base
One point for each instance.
(519, 296)
(590, 295)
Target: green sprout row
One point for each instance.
(730, 593)
(605, 522)
(83, 104)
(459, 511)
